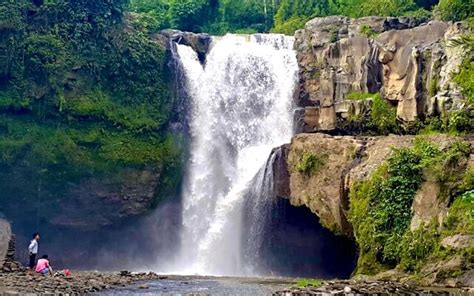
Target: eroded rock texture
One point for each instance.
(130, 193)
(344, 160)
(404, 59)
(5, 235)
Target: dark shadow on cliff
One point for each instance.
(295, 244)
(144, 243)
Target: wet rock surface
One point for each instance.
(21, 283)
(370, 288)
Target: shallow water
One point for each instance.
(204, 286)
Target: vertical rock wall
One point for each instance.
(408, 62)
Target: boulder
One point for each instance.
(458, 241)
(200, 43)
(427, 205)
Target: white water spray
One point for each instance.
(241, 109)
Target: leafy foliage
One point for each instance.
(380, 207)
(455, 10)
(356, 96)
(417, 245)
(465, 76)
(216, 16)
(281, 16)
(310, 163)
(368, 31)
(383, 116)
(81, 94)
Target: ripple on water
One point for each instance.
(203, 286)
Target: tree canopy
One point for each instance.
(283, 16)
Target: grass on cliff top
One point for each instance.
(358, 96)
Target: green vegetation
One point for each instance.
(356, 96)
(383, 116)
(380, 207)
(303, 283)
(293, 14)
(465, 76)
(80, 98)
(216, 16)
(281, 16)
(368, 31)
(310, 163)
(455, 10)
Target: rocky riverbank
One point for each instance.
(20, 283)
(369, 288)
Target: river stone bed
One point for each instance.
(370, 288)
(21, 283)
(126, 283)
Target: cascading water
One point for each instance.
(241, 109)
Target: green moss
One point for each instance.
(80, 100)
(468, 179)
(461, 215)
(433, 87)
(303, 283)
(288, 27)
(310, 163)
(418, 245)
(356, 96)
(380, 207)
(368, 31)
(383, 116)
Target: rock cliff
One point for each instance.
(5, 235)
(406, 60)
(322, 172)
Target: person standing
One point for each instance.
(33, 250)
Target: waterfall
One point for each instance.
(241, 108)
(260, 207)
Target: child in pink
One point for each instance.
(43, 266)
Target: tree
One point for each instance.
(455, 10)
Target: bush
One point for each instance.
(80, 99)
(310, 163)
(417, 245)
(368, 31)
(383, 116)
(357, 96)
(465, 79)
(380, 207)
(461, 215)
(454, 10)
(380, 210)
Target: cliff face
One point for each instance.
(5, 235)
(337, 177)
(408, 62)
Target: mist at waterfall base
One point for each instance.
(241, 108)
